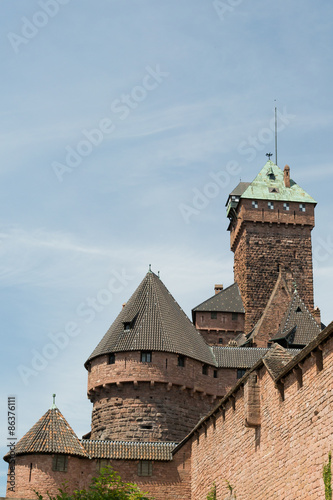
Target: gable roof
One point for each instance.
(270, 178)
(129, 450)
(275, 310)
(240, 188)
(298, 326)
(51, 434)
(244, 357)
(227, 300)
(157, 323)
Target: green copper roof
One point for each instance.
(269, 185)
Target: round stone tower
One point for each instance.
(149, 369)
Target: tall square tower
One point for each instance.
(271, 220)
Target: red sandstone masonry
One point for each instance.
(222, 327)
(265, 240)
(169, 480)
(283, 458)
(150, 401)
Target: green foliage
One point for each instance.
(230, 488)
(212, 493)
(108, 485)
(327, 476)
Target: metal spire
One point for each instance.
(53, 404)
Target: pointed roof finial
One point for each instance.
(158, 273)
(150, 268)
(53, 404)
(269, 156)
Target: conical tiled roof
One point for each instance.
(152, 320)
(228, 300)
(298, 326)
(51, 434)
(269, 185)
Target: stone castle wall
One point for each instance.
(170, 480)
(223, 326)
(151, 401)
(283, 453)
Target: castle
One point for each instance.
(241, 396)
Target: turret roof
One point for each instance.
(51, 434)
(152, 320)
(269, 185)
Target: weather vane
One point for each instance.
(269, 155)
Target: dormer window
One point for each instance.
(271, 205)
(286, 206)
(273, 190)
(254, 204)
(302, 207)
(127, 325)
(271, 174)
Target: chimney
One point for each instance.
(286, 176)
(218, 288)
(316, 315)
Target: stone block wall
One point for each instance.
(261, 249)
(282, 455)
(224, 326)
(151, 401)
(170, 480)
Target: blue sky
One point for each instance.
(117, 119)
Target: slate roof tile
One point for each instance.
(298, 326)
(51, 434)
(157, 323)
(276, 359)
(244, 357)
(127, 450)
(228, 300)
